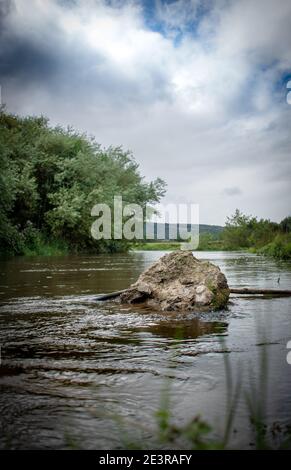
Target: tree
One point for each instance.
(285, 225)
(236, 232)
(52, 177)
(242, 231)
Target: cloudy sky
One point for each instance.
(196, 89)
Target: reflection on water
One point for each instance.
(184, 330)
(71, 364)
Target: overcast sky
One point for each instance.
(196, 89)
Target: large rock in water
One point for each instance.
(179, 281)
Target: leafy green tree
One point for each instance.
(285, 225)
(262, 235)
(237, 231)
(50, 180)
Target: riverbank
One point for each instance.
(279, 248)
(276, 249)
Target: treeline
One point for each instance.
(50, 178)
(244, 232)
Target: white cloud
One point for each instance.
(203, 113)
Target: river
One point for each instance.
(76, 373)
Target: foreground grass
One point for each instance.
(197, 434)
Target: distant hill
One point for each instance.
(213, 229)
(159, 231)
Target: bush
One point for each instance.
(50, 180)
(258, 236)
(279, 248)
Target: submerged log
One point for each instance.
(110, 295)
(243, 290)
(246, 290)
(179, 281)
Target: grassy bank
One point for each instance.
(46, 248)
(156, 246)
(207, 242)
(258, 236)
(279, 248)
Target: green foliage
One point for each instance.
(285, 225)
(208, 242)
(279, 248)
(50, 179)
(195, 433)
(262, 236)
(242, 231)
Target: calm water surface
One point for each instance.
(76, 372)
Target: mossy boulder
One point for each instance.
(179, 281)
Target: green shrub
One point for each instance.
(50, 179)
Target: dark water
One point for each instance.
(79, 373)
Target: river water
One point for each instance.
(76, 373)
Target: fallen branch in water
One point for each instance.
(110, 295)
(244, 290)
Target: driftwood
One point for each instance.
(244, 290)
(111, 295)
